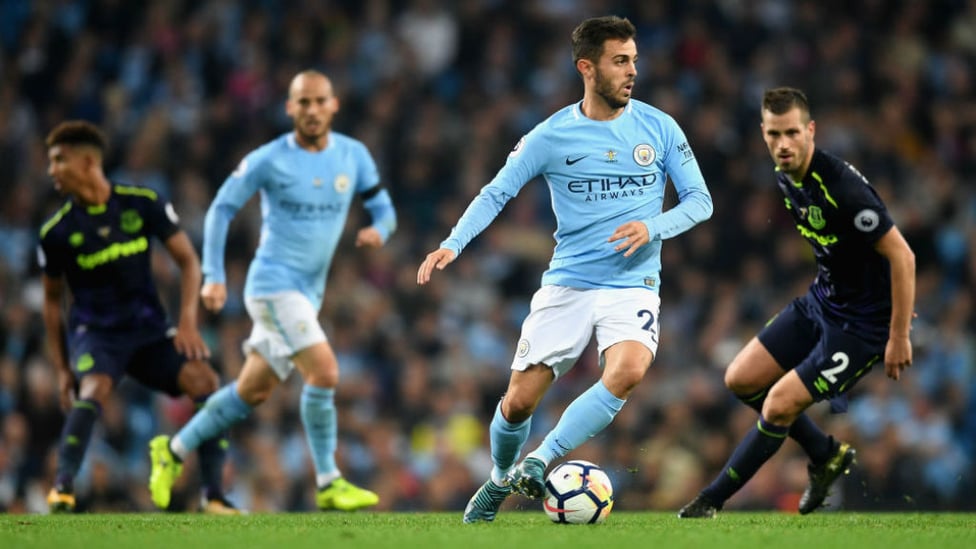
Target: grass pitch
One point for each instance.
(512, 530)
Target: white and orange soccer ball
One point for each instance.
(578, 492)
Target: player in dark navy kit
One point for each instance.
(856, 314)
(97, 246)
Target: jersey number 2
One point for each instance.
(842, 361)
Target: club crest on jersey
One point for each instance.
(815, 218)
(341, 183)
(130, 221)
(866, 220)
(644, 154)
(104, 231)
(523, 348)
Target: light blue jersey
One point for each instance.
(601, 174)
(305, 198)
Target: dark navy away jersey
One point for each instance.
(841, 216)
(104, 253)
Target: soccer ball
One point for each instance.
(578, 492)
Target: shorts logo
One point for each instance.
(523, 348)
(341, 183)
(85, 362)
(644, 154)
(866, 220)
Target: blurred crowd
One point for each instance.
(440, 91)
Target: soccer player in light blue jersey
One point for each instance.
(606, 160)
(307, 180)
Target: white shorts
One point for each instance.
(562, 320)
(284, 324)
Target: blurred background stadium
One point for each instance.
(440, 91)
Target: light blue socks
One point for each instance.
(586, 416)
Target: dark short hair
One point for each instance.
(781, 100)
(77, 132)
(589, 36)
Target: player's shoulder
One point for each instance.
(281, 144)
(568, 115)
(135, 194)
(650, 114)
(834, 171)
(641, 108)
(347, 142)
(56, 220)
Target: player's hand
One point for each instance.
(214, 295)
(898, 356)
(190, 344)
(66, 389)
(634, 235)
(437, 259)
(369, 237)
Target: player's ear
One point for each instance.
(584, 67)
(812, 126)
(90, 158)
(334, 104)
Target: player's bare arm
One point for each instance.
(898, 351)
(634, 235)
(188, 339)
(54, 328)
(437, 259)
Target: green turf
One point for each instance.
(511, 530)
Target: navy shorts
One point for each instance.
(147, 356)
(827, 356)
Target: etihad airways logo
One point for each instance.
(610, 188)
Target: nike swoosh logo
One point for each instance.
(570, 162)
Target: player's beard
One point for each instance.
(605, 88)
(310, 136)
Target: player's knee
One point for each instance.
(781, 408)
(624, 379)
(328, 378)
(198, 380)
(517, 408)
(743, 381)
(736, 382)
(95, 387)
(254, 395)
